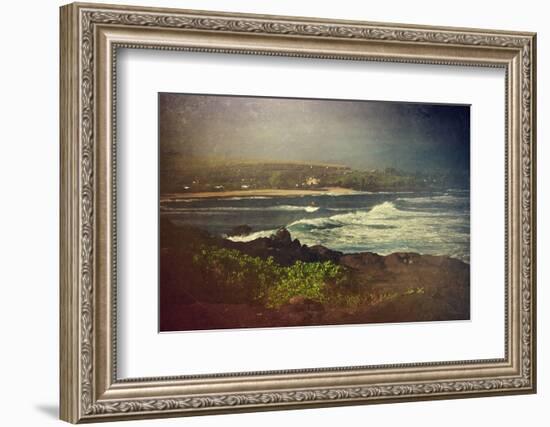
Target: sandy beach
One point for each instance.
(268, 192)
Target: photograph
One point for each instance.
(277, 212)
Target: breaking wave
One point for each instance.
(252, 236)
(387, 227)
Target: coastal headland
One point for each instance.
(211, 282)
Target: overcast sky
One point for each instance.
(360, 134)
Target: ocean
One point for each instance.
(435, 223)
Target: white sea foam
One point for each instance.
(444, 198)
(252, 236)
(178, 209)
(386, 229)
(311, 208)
(383, 229)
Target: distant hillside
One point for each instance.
(181, 174)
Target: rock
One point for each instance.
(240, 230)
(325, 254)
(296, 244)
(283, 249)
(363, 260)
(282, 237)
(397, 259)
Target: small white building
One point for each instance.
(313, 181)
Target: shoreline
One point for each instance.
(328, 249)
(267, 192)
(371, 288)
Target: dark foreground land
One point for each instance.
(208, 282)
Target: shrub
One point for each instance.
(307, 279)
(233, 275)
(236, 276)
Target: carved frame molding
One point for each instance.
(90, 36)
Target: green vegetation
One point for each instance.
(241, 277)
(237, 276)
(309, 280)
(276, 180)
(182, 174)
(354, 300)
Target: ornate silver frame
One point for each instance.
(90, 36)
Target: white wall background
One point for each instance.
(29, 171)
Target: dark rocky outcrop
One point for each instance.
(240, 230)
(281, 237)
(283, 249)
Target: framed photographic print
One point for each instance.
(264, 212)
